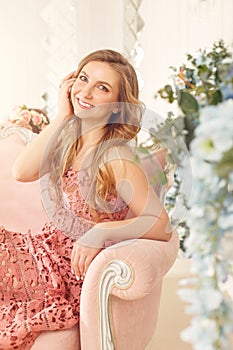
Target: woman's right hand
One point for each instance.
(65, 107)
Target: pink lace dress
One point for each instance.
(38, 291)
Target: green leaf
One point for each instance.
(158, 178)
(215, 97)
(223, 71)
(200, 89)
(162, 93)
(187, 103)
(167, 93)
(178, 123)
(143, 150)
(190, 125)
(224, 167)
(168, 89)
(170, 93)
(162, 178)
(204, 72)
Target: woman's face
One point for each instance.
(97, 84)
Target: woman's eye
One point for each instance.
(103, 88)
(83, 78)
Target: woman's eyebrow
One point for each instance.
(83, 72)
(99, 81)
(104, 83)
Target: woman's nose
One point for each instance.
(87, 91)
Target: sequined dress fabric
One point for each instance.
(38, 291)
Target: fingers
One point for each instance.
(65, 106)
(70, 77)
(81, 259)
(75, 261)
(79, 263)
(67, 84)
(81, 267)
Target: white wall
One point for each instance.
(172, 28)
(100, 25)
(22, 61)
(38, 47)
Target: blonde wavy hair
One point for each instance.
(122, 127)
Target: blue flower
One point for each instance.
(226, 90)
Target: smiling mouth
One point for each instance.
(84, 105)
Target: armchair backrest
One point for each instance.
(20, 204)
(160, 174)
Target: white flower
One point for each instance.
(179, 83)
(225, 222)
(187, 294)
(200, 170)
(204, 148)
(210, 213)
(202, 332)
(214, 133)
(211, 299)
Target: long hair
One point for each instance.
(122, 127)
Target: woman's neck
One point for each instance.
(91, 137)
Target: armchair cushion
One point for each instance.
(67, 339)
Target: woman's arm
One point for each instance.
(28, 166)
(150, 219)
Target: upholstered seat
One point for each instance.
(121, 291)
(120, 299)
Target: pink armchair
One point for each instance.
(120, 299)
(121, 291)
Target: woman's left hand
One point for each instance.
(65, 107)
(81, 257)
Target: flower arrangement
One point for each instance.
(210, 220)
(33, 119)
(204, 80)
(203, 92)
(201, 81)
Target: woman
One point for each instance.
(100, 195)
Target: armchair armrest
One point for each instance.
(122, 282)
